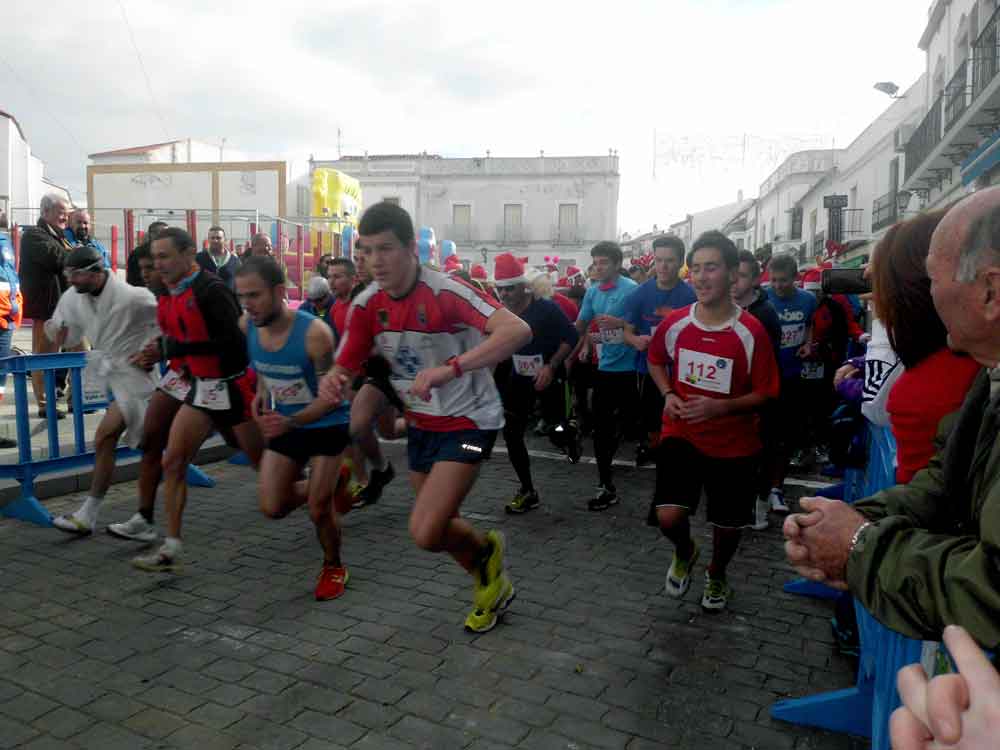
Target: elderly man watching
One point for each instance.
(260, 245)
(43, 249)
(926, 555)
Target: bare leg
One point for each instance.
(435, 524)
(187, 433)
(322, 483)
(105, 441)
(156, 429)
(278, 492)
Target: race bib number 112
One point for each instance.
(706, 372)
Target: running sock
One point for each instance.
(147, 513)
(171, 546)
(88, 511)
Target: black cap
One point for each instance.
(83, 256)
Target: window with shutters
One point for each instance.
(795, 230)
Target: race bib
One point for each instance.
(612, 336)
(413, 402)
(211, 394)
(528, 365)
(705, 371)
(294, 392)
(95, 389)
(793, 336)
(813, 370)
(175, 385)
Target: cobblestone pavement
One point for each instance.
(234, 652)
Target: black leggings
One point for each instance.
(519, 396)
(615, 397)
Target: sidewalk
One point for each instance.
(234, 652)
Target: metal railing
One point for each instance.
(853, 222)
(957, 95)
(572, 234)
(459, 233)
(511, 234)
(927, 135)
(986, 55)
(884, 211)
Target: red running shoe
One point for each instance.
(331, 582)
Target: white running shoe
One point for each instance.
(137, 528)
(777, 501)
(760, 515)
(73, 524)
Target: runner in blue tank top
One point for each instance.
(289, 350)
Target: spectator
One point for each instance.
(133, 274)
(217, 259)
(43, 250)
(318, 300)
(924, 555)
(541, 287)
(936, 379)
(11, 304)
(260, 245)
(79, 232)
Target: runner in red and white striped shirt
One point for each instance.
(441, 338)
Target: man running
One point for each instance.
(644, 309)
(795, 309)
(289, 351)
(722, 369)
(533, 372)
(441, 338)
(117, 319)
(614, 387)
(201, 391)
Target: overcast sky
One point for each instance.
(277, 79)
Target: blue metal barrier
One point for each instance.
(863, 710)
(27, 469)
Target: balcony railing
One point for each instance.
(511, 234)
(853, 223)
(819, 243)
(460, 233)
(986, 55)
(957, 95)
(568, 234)
(884, 212)
(925, 138)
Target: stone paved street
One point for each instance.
(234, 652)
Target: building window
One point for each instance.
(461, 214)
(739, 243)
(568, 214)
(795, 230)
(512, 214)
(394, 200)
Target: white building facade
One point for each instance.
(955, 148)
(22, 175)
(535, 207)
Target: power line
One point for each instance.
(145, 74)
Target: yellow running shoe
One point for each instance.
(493, 590)
(484, 619)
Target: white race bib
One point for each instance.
(95, 389)
(612, 335)
(175, 385)
(212, 394)
(813, 370)
(414, 402)
(294, 392)
(528, 365)
(705, 371)
(793, 335)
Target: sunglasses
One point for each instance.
(92, 268)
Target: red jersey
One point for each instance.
(438, 319)
(338, 314)
(568, 306)
(725, 362)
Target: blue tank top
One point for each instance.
(289, 374)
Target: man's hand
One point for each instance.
(958, 711)
(433, 377)
(672, 406)
(701, 409)
(819, 543)
(846, 372)
(604, 322)
(641, 343)
(805, 351)
(544, 378)
(259, 405)
(147, 357)
(61, 336)
(334, 385)
(272, 424)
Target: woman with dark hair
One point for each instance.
(936, 379)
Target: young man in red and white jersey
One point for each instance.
(721, 371)
(441, 338)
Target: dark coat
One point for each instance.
(228, 271)
(43, 251)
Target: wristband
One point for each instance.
(456, 367)
(857, 537)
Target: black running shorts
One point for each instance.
(304, 443)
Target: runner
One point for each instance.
(289, 351)
(441, 337)
(795, 310)
(117, 319)
(748, 295)
(644, 309)
(614, 386)
(722, 369)
(202, 390)
(533, 372)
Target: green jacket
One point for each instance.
(932, 557)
